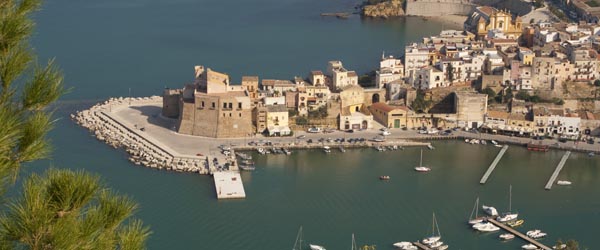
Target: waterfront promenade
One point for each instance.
(138, 121)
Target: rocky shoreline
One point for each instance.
(387, 9)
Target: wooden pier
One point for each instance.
(421, 246)
(493, 165)
(518, 234)
(560, 166)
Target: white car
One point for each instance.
(386, 133)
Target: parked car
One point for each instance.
(301, 137)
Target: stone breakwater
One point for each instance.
(141, 150)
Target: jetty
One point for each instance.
(493, 165)
(421, 246)
(228, 185)
(518, 234)
(559, 167)
(342, 15)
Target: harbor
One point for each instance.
(518, 234)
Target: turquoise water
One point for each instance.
(107, 47)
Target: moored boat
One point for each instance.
(507, 236)
(490, 210)
(405, 245)
(326, 149)
(384, 177)
(342, 149)
(476, 219)
(422, 168)
(529, 247)
(515, 223)
(316, 247)
(510, 216)
(563, 183)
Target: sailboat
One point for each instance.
(298, 243)
(421, 168)
(433, 238)
(476, 219)
(510, 215)
(354, 247)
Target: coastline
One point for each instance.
(137, 126)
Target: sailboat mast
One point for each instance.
(432, 224)
(421, 160)
(510, 199)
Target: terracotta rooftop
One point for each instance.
(316, 72)
(387, 108)
(250, 78)
(487, 10)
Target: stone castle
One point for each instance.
(210, 106)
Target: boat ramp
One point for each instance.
(493, 165)
(559, 167)
(518, 234)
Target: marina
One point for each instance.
(519, 234)
(559, 167)
(493, 165)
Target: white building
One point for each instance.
(415, 57)
(341, 77)
(429, 77)
(390, 69)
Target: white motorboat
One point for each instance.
(494, 142)
(316, 247)
(498, 146)
(563, 183)
(326, 149)
(467, 141)
(529, 247)
(561, 246)
(431, 240)
(507, 236)
(483, 142)
(490, 210)
(510, 216)
(536, 234)
(436, 244)
(486, 227)
(444, 247)
(287, 151)
(476, 219)
(422, 168)
(405, 245)
(430, 147)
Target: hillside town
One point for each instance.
(498, 75)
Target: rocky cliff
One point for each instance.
(387, 9)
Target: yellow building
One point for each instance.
(353, 111)
(486, 18)
(390, 116)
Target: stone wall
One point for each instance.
(171, 103)
(462, 7)
(438, 7)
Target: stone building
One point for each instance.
(250, 83)
(210, 107)
(354, 114)
(470, 108)
(390, 69)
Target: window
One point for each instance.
(202, 105)
(230, 105)
(213, 105)
(224, 105)
(239, 105)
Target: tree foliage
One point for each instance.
(61, 209)
(490, 93)
(420, 104)
(70, 210)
